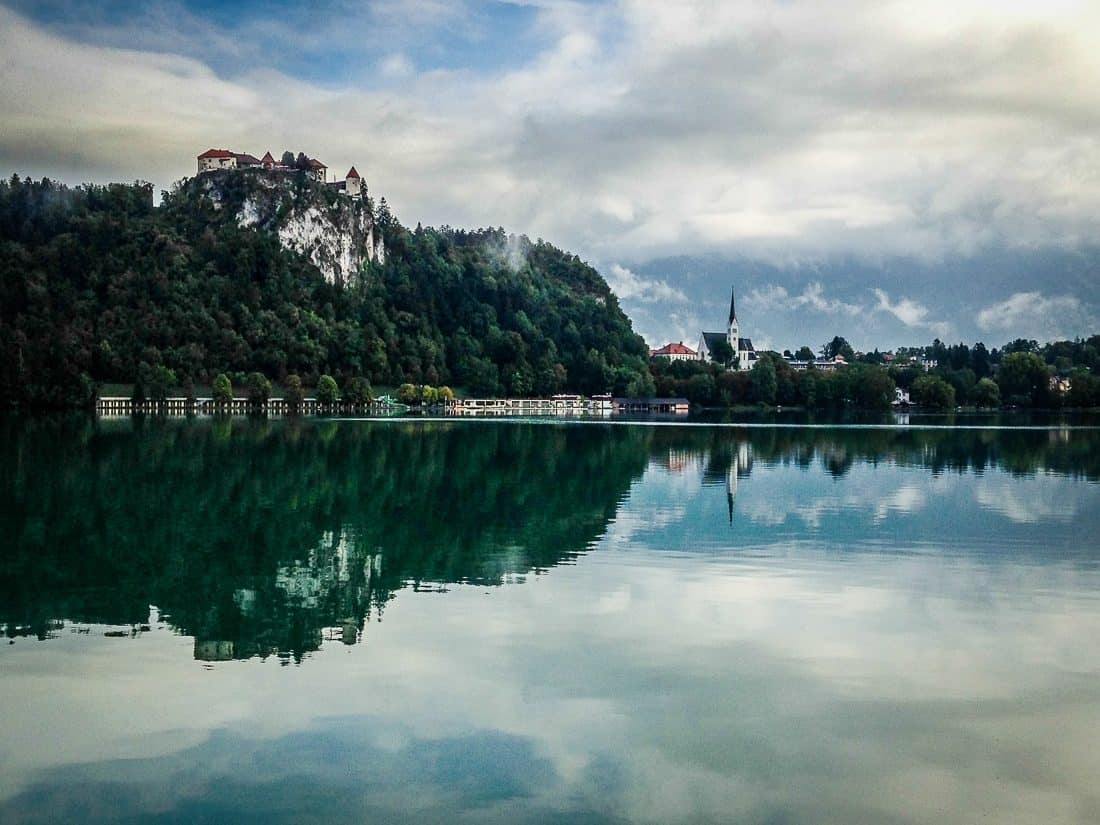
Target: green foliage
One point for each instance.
(722, 353)
(95, 281)
(292, 390)
(258, 388)
(932, 391)
(1024, 379)
(762, 381)
(327, 390)
(222, 389)
(986, 393)
(804, 354)
(838, 346)
(358, 391)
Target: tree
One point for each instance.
(408, 394)
(722, 353)
(986, 393)
(293, 391)
(446, 394)
(838, 346)
(327, 390)
(763, 382)
(258, 388)
(932, 391)
(870, 387)
(222, 389)
(288, 158)
(804, 354)
(1023, 378)
(358, 391)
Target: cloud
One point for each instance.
(776, 298)
(629, 286)
(1034, 315)
(910, 312)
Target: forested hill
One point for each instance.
(99, 285)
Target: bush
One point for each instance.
(258, 388)
(293, 390)
(358, 391)
(223, 389)
(987, 393)
(932, 391)
(327, 391)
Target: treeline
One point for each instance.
(772, 381)
(1020, 374)
(97, 284)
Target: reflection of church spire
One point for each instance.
(731, 487)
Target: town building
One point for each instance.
(675, 352)
(216, 159)
(823, 364)
(744, 354)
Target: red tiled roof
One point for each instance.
(316, 164)
(246, 158)
(352, 173)
(674, 349)
(267, 158)
(216, 153)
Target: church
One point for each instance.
(744, 354)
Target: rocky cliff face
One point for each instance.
(336, 233)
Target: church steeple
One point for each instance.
(733, 333)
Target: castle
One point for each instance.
(215, 159)
(744, 354)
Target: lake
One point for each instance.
(505, 621)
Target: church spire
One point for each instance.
(733, 311)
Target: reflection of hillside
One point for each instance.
(262, 538)
(265, 538)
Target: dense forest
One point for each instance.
(98, 284)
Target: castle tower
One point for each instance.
(733, 331)
(353, 184)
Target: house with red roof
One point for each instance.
(675, 352)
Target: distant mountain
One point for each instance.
(241, 271)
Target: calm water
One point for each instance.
(470, 621)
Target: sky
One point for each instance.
(891, 172)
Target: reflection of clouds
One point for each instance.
(906, 499)
(799, 683)
(1027, 501)
(659, 688)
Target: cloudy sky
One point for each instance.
(888, 171)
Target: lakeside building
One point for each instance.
(675, 352)
(217, 159)
(743, 351)
(823, 364)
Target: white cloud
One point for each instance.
(630, 286)
(861, 127)
(776, 298)
(910, 312)
(1034, 315)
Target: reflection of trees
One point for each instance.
(253, 536)
(1020, 452)
(260, 537)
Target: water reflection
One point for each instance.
(516, 623)
(263, 538)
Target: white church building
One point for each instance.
(744, 354)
